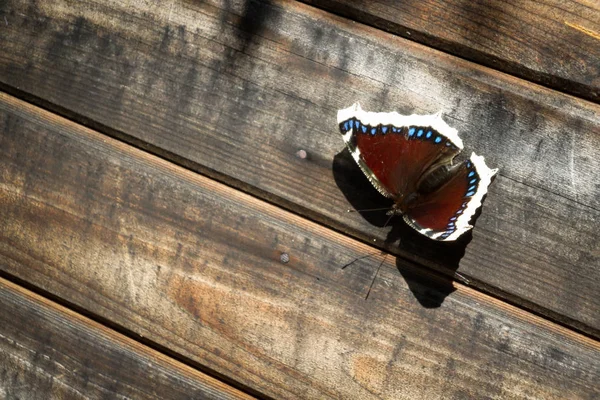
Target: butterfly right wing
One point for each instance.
(445, 213)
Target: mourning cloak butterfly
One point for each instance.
(404, 158)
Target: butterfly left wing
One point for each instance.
(396, 151)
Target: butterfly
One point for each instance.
(409, 159)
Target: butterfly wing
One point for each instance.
(395, 151)
(445, 213)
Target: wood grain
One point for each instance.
(555, 43)
(47, 351)
(196, 266)
(235, 89)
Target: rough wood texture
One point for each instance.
(235, 89)
(48, 352)
(196, 266)
(554, 42)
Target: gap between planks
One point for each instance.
(470, 50)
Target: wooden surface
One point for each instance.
(195, 266)
(73, 356)
(167, 221)
(234, 92)
(554, 42)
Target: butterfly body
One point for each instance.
(409, 159)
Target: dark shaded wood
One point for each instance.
(555, 42)
(234, 90)
(47, 351)
(196, 266)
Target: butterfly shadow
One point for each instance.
(404, 241)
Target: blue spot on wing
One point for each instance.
(428, 134)
(384, 129)
(471, 174)
(364, 128)
(411, 131)
(373, 131)
(471, 193)
(438, 139)
(473, 181)
(356, 124)
(472, 188)
(420, 133)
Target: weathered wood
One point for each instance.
(555, 43)
(47, 351)
(196, 266)
(234, 90)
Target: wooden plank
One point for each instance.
(196, 266)
(48, 351)
(229, 89)
(554, 42)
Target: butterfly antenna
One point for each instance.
(370, 254)
(375, 277)
(360, 258)
(462, 278)
(388, 220)
(371, 209)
